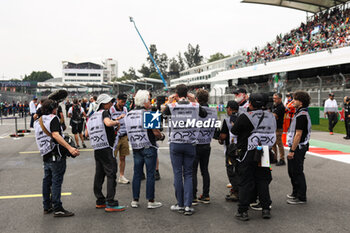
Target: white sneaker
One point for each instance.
(123, 180)
(153, 205)
(134, 204)
(188, 210)
(177, 208)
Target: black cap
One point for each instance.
(257, 100)
(331, 94)
(232, 104)
(122, 96)
(240, 90)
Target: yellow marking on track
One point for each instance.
(29, 196)
(37, 152)
(81, 150)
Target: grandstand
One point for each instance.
(313, 57)
(201, 75)
(85, 89)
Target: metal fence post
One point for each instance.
(16, 133)
(25, 124)
(344, 83)
(320, 91)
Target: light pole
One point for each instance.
(149, 53)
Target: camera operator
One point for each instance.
(254, 129)
(347, 116)
(54, 164)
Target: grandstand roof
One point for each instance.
(313, 6)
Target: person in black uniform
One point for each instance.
(347, 116)
(224, 138)
(252, 177)
(298, 140)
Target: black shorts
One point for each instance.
(77, 128)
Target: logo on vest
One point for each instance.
(151, 120)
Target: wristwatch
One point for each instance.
(290, 150)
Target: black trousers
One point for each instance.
(347, 126)
(253, 179)
(296, 173)
(201, 159)
(106, 166)
(32, 120)
(231, 168)
(332, 120)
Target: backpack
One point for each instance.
(76, 113)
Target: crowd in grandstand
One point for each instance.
(327, 30)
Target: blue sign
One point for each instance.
(151, 120)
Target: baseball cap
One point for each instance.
(331, 94)
(240, 90)
(103, 99)
(256, 99)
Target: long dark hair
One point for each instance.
(48, 106)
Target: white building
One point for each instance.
(203, 74)
(94, 72)
(82, 72)
(111, 70)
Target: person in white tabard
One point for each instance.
(100, 129)
(48, 134)
(144, 148)
(118, 112)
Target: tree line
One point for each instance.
(170, 68)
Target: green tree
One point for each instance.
(192, 56)
(39, 76)
(174, 68)
(145, 71)
(128, 75)
(216, 57)
(155, 75)
(163, 64)
(153, 51)
(181, 62)
(160, 59)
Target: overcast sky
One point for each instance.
(39, 34)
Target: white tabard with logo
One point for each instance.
(115, 114)
(44, 142)
(292, 130)
(97, 131)
(206, 133)
(232, 137)
(183, 123)
(243, 108)
(265, 133)
(137, 135)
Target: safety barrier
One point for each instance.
(18, 133)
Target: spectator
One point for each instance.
(331, 111)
